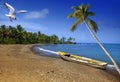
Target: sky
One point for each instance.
(50, 17)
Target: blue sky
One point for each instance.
(50, 17)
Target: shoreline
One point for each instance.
(19, 63)
(108, 69)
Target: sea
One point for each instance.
(90, 50)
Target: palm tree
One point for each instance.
(82, 15)
(39, 36)
(69, 40)
(3, 32)
(20, 31)
(54, 39)
(13, 32)
(63, 40)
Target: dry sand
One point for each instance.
(19, 64)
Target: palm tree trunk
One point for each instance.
(101, 45)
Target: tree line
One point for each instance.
(18, 35)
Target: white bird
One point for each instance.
(12, 12)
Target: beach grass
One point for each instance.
(18, 63)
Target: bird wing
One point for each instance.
(12, 10)
(21, 11)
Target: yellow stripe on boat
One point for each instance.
(95, 63)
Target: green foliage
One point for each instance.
(70, 40)
(82, 13)
(18, 35)
(93, 25)
(74, 26)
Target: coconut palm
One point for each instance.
(3, 31)
(54, 39)
(63, 40)
(82, 15)
(20, 31)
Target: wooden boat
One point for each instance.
(84, 60)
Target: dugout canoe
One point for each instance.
(84, 60)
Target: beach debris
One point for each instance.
(52, 71)
(12, 12)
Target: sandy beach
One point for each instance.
(18, 63)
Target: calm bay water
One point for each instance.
(90, 50)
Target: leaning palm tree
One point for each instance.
(82, 15)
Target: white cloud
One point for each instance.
(37, 14)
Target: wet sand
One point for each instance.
(19, 64)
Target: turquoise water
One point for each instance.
(88, 50)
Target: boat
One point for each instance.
(84, 60)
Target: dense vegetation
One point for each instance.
(18, 35)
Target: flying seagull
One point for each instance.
(12, 12)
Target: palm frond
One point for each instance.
(70, 15)
(74, 26)
(93, 25)
(82, 6)
(81, 13)
(87, 7)
(75, 7)
(87, 14)
(91, 14)
(76, 14)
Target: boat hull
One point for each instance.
(83, 60)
